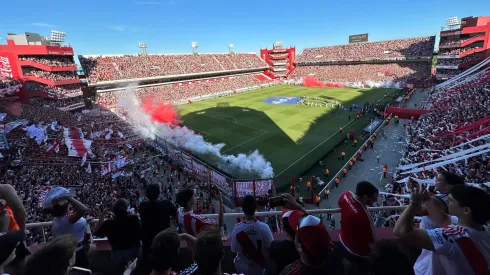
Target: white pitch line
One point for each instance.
(336, 132)
(245, 142)
(237, 123)
(216, 116)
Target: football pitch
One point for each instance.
(292, 137)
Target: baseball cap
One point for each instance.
(310, 230)
(8, 242)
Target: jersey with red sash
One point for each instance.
(249, 240)
(356, 227)
(191, 223)
(461, 250)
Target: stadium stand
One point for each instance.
(108, 68)
(404, 60)
(178, 92)
(383, 50)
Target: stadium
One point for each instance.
(391, 115)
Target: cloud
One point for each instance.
(43, 25)
(116, 28)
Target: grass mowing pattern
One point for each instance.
(292, 137)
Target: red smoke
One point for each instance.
(312, 82)
(160, 112)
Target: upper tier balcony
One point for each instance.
(51, 82)
(46, 67)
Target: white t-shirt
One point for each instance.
(461, 250)
(250, 240)
(62, 226)
(427, 263)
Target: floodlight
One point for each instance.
(231, 46)
(453, 21)
(194, 45)
(142, 45)
(57, 36)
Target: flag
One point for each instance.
(84, 159)
(117, 174)
(129, 146)
(106, 168)
(108, 136)
(57, 148)
(50, 146)
(89, 169)
(120, 134)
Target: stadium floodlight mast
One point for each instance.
(453, 22)
(230, 48)
(57, 37)
(142, 46)
(194, 46)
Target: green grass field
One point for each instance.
(292, 137)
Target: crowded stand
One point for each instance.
(399, 72)
(458, 41)
(460, 50)
(449, 72)
(71, 90)
(457, 61)
(412, 47)
(55, 76)
(9, 85)
(182, 92)
(50, 60)
(108, 68)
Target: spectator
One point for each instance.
(283, 252)
(8, 243)
(463, 248)
(123, 233)
(445, 180)
(188, 221)
(386, 259)
(250, 241)
(356, 230)
(13, 206)
(155, 217)
(55, 258)
(164, 252)
(73, 224)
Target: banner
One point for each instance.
(244, 188)
(77, 146)
(187, 162)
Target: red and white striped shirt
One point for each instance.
(461, 250)
(192, 223)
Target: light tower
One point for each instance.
(230, 48)
(56, 38)
(453, 23)
(194, 46)
(142, 46)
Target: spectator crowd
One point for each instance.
(55, 76)
(183, 92)
(108, 68)
(398, 72)
(50, 60)
(382, 50)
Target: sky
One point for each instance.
(169, 26)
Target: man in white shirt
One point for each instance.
(463, 248)
(250, 240)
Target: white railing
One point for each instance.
(258, 214)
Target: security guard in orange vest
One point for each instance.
(344, 171)
(318, 201)
(326, 193)
(337, 180)
(308, 185)
(354, 159)
(343, 155)
(327, 172)
(385, 169)
(350, 165)
(365, 146)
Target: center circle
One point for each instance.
(282, 100)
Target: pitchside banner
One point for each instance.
(357, 38)
(244, 188)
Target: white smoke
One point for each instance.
(186, 138)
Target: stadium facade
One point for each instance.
(464, 47)
(35, 61)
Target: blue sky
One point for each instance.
(169, 26)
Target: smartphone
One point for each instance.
(276, 201)
(79, 271)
